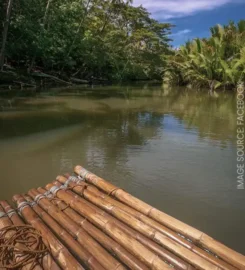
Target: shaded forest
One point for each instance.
(89, 41)
(83, 39)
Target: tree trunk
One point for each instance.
(78, 29)
(211, 87)
(5, 33)
(44, 25)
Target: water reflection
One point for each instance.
(174, 149)
(214, 117)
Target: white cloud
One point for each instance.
(181, 33)
(167, 9)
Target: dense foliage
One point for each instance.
(215, 62)
(113, 40)
(108, 39)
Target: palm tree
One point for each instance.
(218, 61)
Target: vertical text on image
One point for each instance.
(240, 136)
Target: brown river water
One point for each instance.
(173, 149)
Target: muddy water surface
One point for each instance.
(173, 149)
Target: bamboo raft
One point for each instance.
(85, 222)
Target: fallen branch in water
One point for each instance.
(44, 75)
(79, 81)
(25, 84)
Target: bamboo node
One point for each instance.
(113, 191)
(78, 185)
(64, 208)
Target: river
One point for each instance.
(173, 149)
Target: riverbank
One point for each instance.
(15, 79)
(38, 81)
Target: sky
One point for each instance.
(193, 18)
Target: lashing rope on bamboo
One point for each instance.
(24, 246)
(49, 196)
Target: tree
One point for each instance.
(109, 39)
(211, 63)
(5, 33)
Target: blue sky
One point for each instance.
(193, 18)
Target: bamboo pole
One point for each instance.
(159, 250)
(86, 241)
(112, 246)
(79, 186)
(110, 204)
(200, 238)
(5, 222)
(57, 249)
(149, 232)
(137, 249)
(47, 262)
(70, 241)
(12, 214)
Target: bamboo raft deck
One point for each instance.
(85, 222)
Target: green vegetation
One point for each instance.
(107, 39)
(111, 40)
(215, 62)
